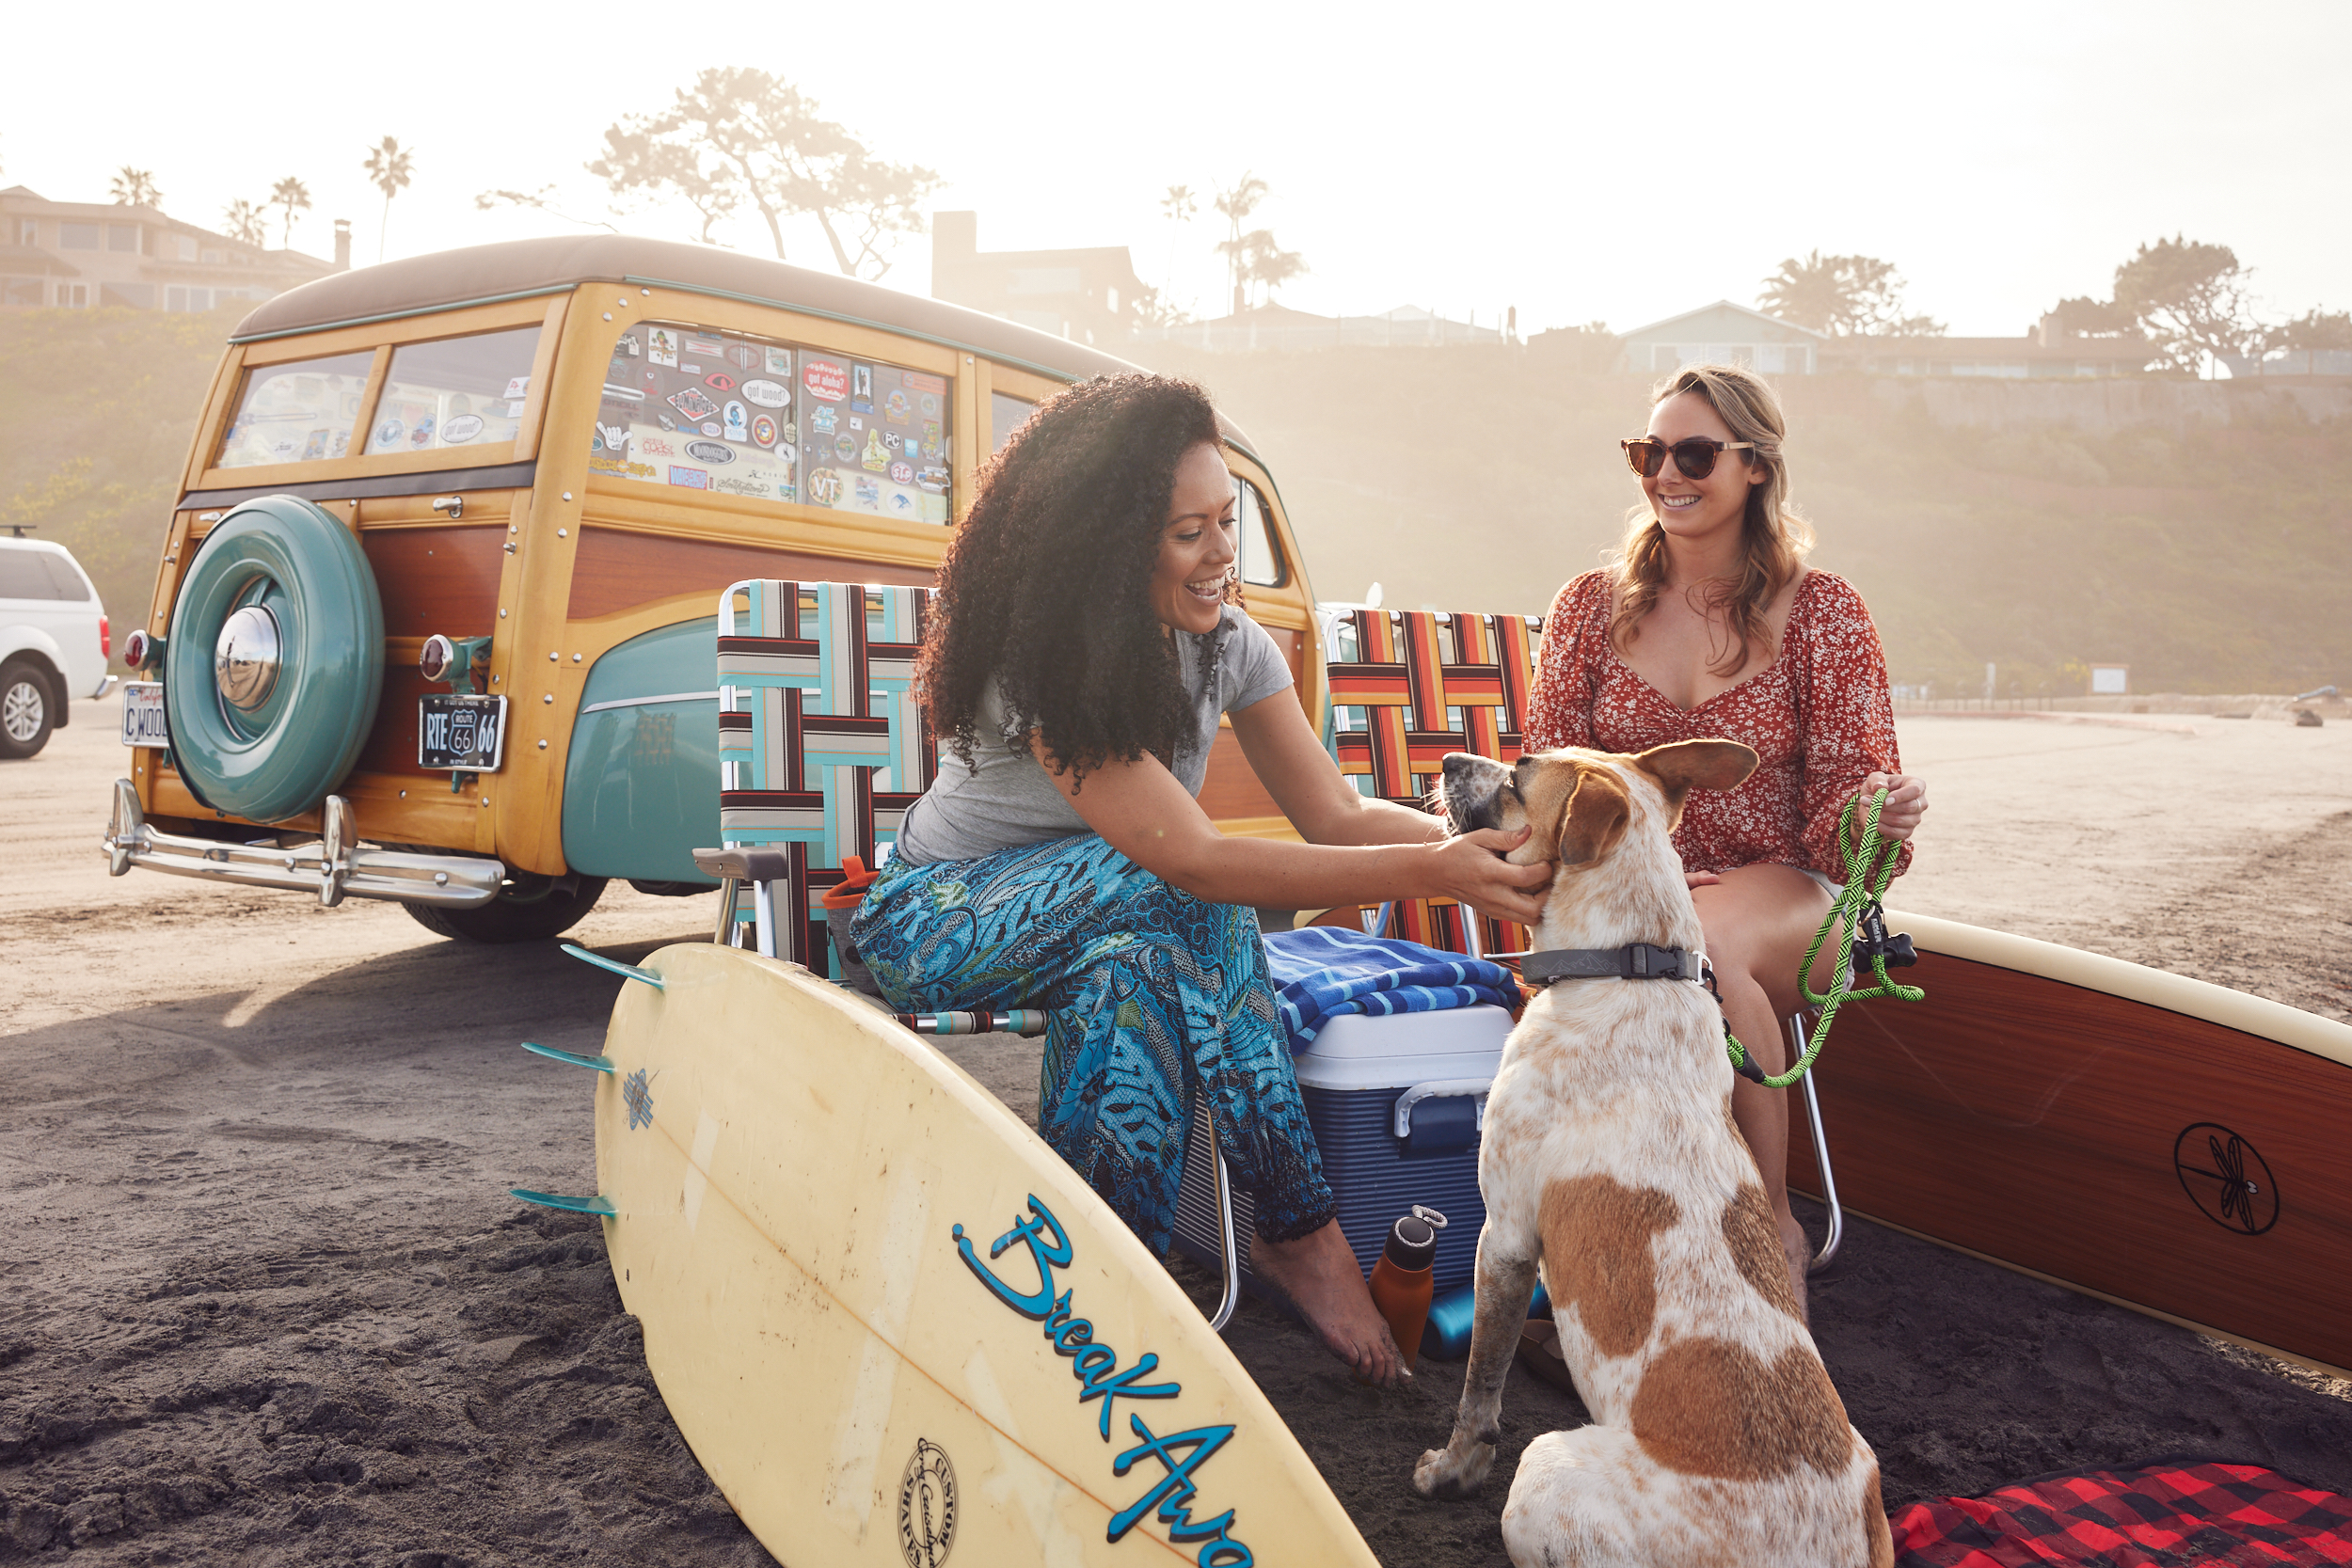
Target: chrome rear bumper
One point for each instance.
(334, 867)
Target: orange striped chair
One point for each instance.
(1406, 688)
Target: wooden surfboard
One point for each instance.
(2166, 1144)
(896, 1328)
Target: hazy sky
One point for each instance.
(1581, 162)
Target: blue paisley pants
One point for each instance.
(1153, 996)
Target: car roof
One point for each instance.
(516, 269)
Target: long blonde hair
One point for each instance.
(1775, 539)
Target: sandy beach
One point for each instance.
(268, 1302)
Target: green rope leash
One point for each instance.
(1869, 866)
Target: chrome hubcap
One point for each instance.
(21, 709)
(245, 660)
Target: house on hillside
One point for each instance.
(1724, 334)
(80, 255)
(2047, 351)
(1274, 326)
(1090, 297)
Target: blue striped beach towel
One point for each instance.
(1323, 971)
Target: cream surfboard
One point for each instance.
(896, 1328)
(2163, 1143)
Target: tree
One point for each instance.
(1180, 206)
(294, 196)
(242, 220)
(390, 168)
(1256, 259)
(134, 188)
(2095, 318)
(1846, 297)
(1237, 204)
(742, 137)
(2313, 329)
(1154, 309)
(2191, 298)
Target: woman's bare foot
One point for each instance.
(1799, 1251)
(1319, 1274)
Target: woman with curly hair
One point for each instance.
(1087, 638)
(1709, 624)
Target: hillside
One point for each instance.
(100, 406)
(2200, 533)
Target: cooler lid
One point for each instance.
(1396, 1051)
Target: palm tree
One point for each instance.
(136, 187)
(292, 195)
(242, 220)
(1181, 206)
(390, 168)
(1237, 204)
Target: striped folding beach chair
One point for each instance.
(1406, 688)
(823, 749)
(822, 745)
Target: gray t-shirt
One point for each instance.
(1012, 800)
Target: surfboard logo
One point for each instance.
(638, 1094)
(1171, 1497)
(926, 1506)
(2227, 1181)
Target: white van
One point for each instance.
(53, 641)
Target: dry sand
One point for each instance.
(266, 1300)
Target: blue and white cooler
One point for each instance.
(1395, 1045)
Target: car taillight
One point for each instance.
(105, 637)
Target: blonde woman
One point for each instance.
(1709, 624)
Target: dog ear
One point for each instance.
(1689, 765)
(1594, 819)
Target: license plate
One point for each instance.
(143, 721)
(464, 734)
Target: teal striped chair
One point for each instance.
(822, 745)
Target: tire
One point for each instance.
(305, 570)
(511, 918)
(27, 710)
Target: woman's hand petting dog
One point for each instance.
(1470, 867)
(1906, 803)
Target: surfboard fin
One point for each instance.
(627, 971)
(598, 1205)
(602, 1063)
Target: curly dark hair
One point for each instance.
(1046, 589)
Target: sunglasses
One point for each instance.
(1694, 455)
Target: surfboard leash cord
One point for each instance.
(1869, 866)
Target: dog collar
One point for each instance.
(1638, 961)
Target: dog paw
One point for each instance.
(1442, 1473)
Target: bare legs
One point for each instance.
(1758, 920)
(1322, 1279)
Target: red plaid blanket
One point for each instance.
(2157, 1517)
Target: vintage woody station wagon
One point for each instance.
(435, 617)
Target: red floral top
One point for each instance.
(1819, 718)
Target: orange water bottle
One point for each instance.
(1400, 1279)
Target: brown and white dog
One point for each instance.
(1610, 1157)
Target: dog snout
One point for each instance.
(1471, 790)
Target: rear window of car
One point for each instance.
(456, 392)
(40, 575)
(300, 412)
(691, 408)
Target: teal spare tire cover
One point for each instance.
(291, 734)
